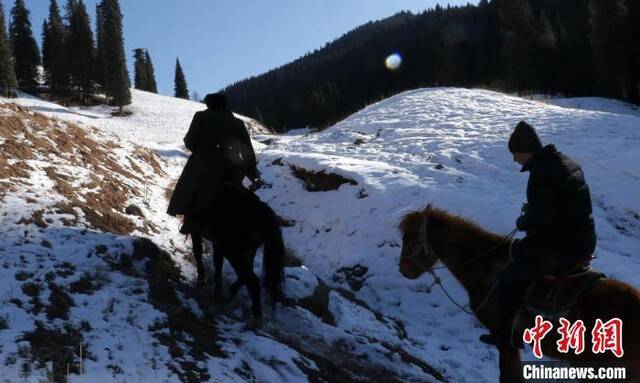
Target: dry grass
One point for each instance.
(168, 191)
(59, 303)
(36, 219)
(150, 158)
(55, 350)
(67, 209)
(62, 182)
(31, 136)
(109, 222)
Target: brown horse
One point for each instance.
(474, 256)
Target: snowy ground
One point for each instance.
(446, 146)
(597, 104)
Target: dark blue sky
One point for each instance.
(223, 41)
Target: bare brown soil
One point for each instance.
(320, 181)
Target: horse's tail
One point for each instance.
(274, 254)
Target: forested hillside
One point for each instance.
(572, 47)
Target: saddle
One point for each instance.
(553, 295)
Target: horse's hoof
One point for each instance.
(254, 323)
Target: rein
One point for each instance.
(438, 281)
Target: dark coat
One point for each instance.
(221, 152)
(558, 214)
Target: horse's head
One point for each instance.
(417, 255)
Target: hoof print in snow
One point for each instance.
(354, 276)
(439, 167)
(309, 292)
(320, 181)
(359, 141)
(362, 193)
(134, 210)
(284, 222)
(389, 243)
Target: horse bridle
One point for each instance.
(427, 249)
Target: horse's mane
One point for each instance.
(408, 220)
(443, 219)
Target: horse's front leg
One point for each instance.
(218, 263)
(244, 271)
(235, 287)
(510, 368)
(196, 241)
(253, 284)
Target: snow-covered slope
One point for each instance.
(84, 294)
(446, 146)
(597, 104)
(157, 121)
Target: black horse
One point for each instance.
(238, 223)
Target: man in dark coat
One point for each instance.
(557, 219)
(221, 152)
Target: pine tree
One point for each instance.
(80, 42)
(7, 73)
(518, 43)
(46, 49)
(609, 37)
(180, 82)
(152, 86)
(634, 27)
(54, 59)
(140, 80)
(24, 47)
(116, 76)
(101, 68)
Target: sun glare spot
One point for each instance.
(393, 62)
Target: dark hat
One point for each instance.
(524, 139)
(215, 101)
